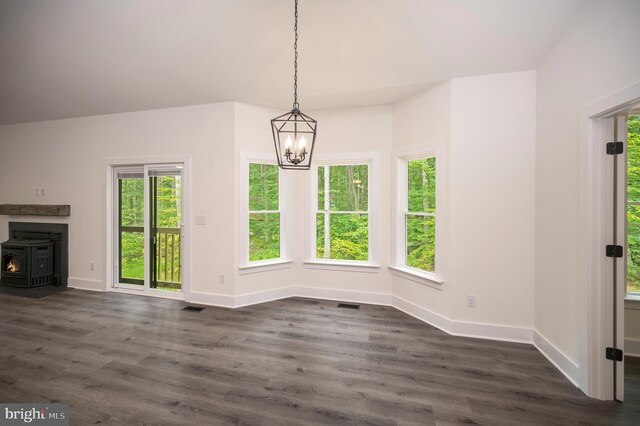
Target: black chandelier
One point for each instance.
(294, 133)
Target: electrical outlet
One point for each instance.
(42, 192)
(471, 301)
(221, 278)
(92, 266)
(201, 220)
(37, 192)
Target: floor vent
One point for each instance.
(192, 308)
(348, 306)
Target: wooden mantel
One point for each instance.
(35, 209)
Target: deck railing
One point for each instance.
(168, 265)
(167, 257)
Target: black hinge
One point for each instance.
(614, 354)
(614, 251)
(615, 148)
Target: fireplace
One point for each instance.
(27, 263)
(35, 256)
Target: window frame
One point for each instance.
(399, 265)
(371, 159)
(284, 261)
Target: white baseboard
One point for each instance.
(85, 284)
(343, 295)
(255, 298)
(562, 362)
(211, 299)
(465, 328)
(258, 297)
(632, 347)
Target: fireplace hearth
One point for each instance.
(27, 263)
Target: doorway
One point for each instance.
(631, 309)
(603, 226)
(148, 237)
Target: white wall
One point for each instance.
(595, 58)
(487, 126)
(492, 197)
(66, 158)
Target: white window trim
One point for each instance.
(399, 266)
(372, 159)
(245, 266)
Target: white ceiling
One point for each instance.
(71, 58)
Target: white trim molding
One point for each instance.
(464, 328)
(372, 160)
(418, 276)
(109, 165)
(342, 265)
(595, 302)
(265, 265)
(399, 267)
(563, 363)
(85, 284)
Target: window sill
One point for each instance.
(632, 301)
(424, 278)
(264, 266)
(342, 265)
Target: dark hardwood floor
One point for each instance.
(120, 359)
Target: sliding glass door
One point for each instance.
(148, 227)
(130, 226)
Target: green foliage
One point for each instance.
(264, 236)
(633, 212)
(421, 244)
(132, 252)
(132, 202)
(132, 215)
(264, 228)
(263, 187)
(348, 188)
(421, 185)
(421, 198)
(348, 236)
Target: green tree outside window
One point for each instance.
(264, 214)
(420, 216)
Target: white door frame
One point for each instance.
(595, 214)
(109, 165)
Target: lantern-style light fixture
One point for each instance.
(294, 133)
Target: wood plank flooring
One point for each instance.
(121, 359)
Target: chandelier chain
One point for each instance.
(295, 59)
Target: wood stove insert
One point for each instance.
(27, 263)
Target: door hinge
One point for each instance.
(614, 251)
(615, 148)
(614, 354)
